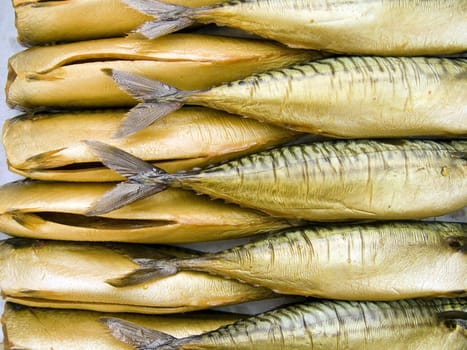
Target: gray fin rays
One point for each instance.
(169, 18)
(136, 170)
(153, 7)
(137, 336)
(157, 100)
(143, 115)
(123, 194)
(144, 89)
(148, 270)
(155, 29)
(118, 160)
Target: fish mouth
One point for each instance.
(87, 222)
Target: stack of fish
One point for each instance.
(328, 142)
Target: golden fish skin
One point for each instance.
(58, 274)
(42, 22)
(49, 146)
(359, 27)
(413, 324)
(388, 261)
(54, 210)
(45, 329)
(321, 181)
(70, 75)
(340, 97)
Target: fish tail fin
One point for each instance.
(140, 337)
(157, 100)
(169, 18)
(147, 270)
(135, 169)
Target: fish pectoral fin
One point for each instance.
(41, 77)
(136, 336)
(148, 270)
(453, 320)
(44, 160)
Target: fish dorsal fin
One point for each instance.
(137, 336)
(454, 320)
(460, 155)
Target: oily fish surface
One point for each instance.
(368, 27)
(353, 97)
(60, 274)
(337, 180)
(45, 329)
(388, 261)
(41, 22)
(57, 211)
(49, 146)
(413, 324)
(70, 75)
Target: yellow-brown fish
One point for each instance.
(414, 324)
(373, 27)
(57, 274)
(389, 261)
(47, 146)
(56, 210)
(70, 75)
(343, 97)
(326, 181)
(45, 329)
(44, 22)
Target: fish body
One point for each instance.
(412, 324)
(372, 27)
(45, 329)
(48, 146)
(41, 22)
(59, 275)
(325, 181)
(360, 262)
(56, 210)
(341, 97)
(70, 75)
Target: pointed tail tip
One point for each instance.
(94, 211)
(122, 132)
